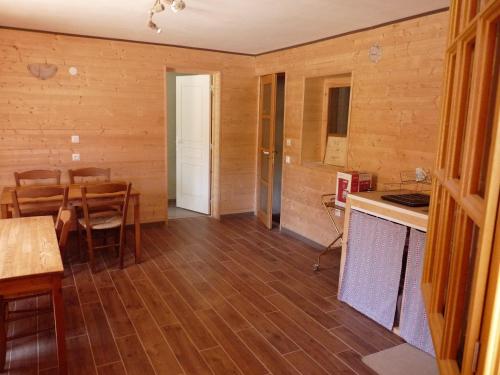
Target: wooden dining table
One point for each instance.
(30, 263)
(75, 199)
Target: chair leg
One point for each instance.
(79, 231)
(116, 241)
(3, 333)
(58, 304)
(90, 247)
(122, 246)
(63, 255)
(121, 255)
(105, 239)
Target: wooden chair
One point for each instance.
(97, 216)
(99, 174)
(62, 226)
(40, 174)
(38, 200)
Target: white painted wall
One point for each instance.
(171, 159)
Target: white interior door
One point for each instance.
(193, 142)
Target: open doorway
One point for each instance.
(270, 148)
(189, 116)
(278, 146)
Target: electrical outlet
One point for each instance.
(75, 157)
(420, 174)
(75, 139)
(288, 159)
(288, 142)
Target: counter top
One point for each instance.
(371, 202)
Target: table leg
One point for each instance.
(5, 211)
(137, 225)
(59, 322)
(3, 334)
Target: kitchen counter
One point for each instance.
(371, 270)
(370, 202)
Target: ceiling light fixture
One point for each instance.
(159, 6)
(177, 5)
(154, 26)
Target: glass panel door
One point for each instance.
(266, 148)
(459, 260)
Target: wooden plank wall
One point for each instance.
(394, 115)
(311, 118)
(117, 105)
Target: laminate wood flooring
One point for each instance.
(210, 297)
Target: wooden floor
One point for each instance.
(209, 298)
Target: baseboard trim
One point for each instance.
(152, 224)
(245, 213)
(300, 237)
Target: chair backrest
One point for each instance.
(30, 200)
(103, 196)
(102, 174)
(63, 226)
(39, 174)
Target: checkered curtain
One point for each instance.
(413, 324)
(373, 266)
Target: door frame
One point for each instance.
(215, 135)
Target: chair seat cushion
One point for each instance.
(102, 222)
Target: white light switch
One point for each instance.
(75, 157)
(288, 159)
(288, 142)
(75, 139)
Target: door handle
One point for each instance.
(265, 152)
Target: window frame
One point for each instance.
(335, 81)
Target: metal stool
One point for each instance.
(328, 202)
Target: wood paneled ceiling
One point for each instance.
(242, 26)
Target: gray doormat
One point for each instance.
(402, 359)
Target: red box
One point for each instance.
(351, 182)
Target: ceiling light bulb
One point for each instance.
(158, 7)
(154, 27)
(177, 5)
